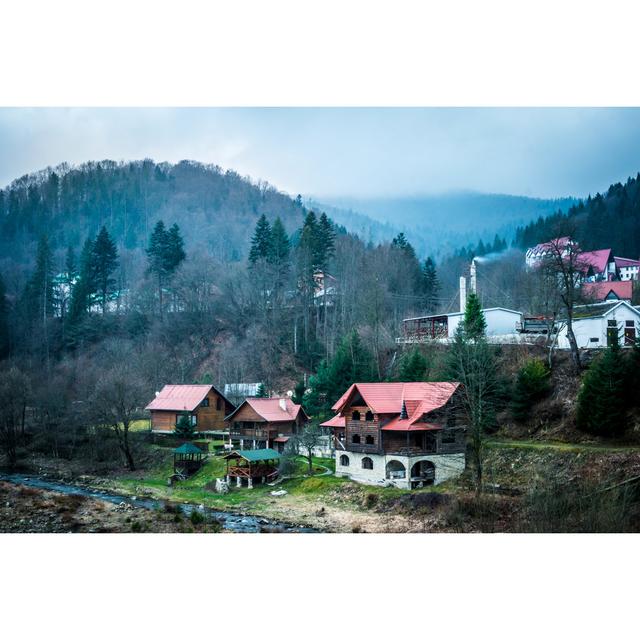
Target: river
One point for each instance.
(235, 522)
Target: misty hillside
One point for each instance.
(440, 224)
(215, 209)
(610, 220)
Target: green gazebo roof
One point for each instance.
(187, 447)
(255, 455)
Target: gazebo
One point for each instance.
(252, 463)
(187, 459)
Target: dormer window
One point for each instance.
(355, 415)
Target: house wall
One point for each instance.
(211, 418)
(447, 466)
(585, 329)
(499, 322)
(163, 421)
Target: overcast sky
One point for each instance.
(346, 152)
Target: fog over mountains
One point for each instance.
(439, 224)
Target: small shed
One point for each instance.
(252, 464)
(187, 459)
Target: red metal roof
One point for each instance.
(281, 439)
(626, 262)
(408, 425)
(387, 397)
(336, 421)
(599, 291)
(598, 260)
(271, 410)
(179, 397)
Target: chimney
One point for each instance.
(283, 403)
(463, 293)
(472, 284)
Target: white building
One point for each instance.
(596, 325)
(500, 322)
(628, 269)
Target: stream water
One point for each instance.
(236, 522)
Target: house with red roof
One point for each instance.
(203, 403)
(265, 423)
(627, 268)
(597, 266)
(608, 290)
(406, 434)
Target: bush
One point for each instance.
(532, 384)
(184, 428)
(603, 398)
(196, 517)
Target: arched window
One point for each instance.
(344, 461)
(367, 463)
(368, 416)
(369, 440)
(355, 438)
(355, 415)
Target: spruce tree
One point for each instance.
(532, 383)
(260, 242)
(39, 290)
(71, 264)
(603, 399)
(326, 242)
(298, 392)
(85, 286)
(431, 284)
(184, 427)
(413, 367)
(105, 261)
(175, 245)
(4, 324)
(261, 392)
(278, 256)
(474, 323)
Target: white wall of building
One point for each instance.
(499, 321)
(447, 466)
(591, 333)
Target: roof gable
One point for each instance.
(271, 410)
(182, 397)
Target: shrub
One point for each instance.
(196, 517)
(184, 428)
(532, 384)
(603, 399)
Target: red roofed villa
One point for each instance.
(265, 423)
(204, 404)
(606, 291)
(406, 434)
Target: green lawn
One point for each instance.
(560, 446)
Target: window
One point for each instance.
(629, 323)
(612, 323)
(205, 402)
(355, 415)
(368, 416)
(369, 440)
(355, 438)
(594, 339)
(367, 463)
(194, 419)
(218, 403)
(344, 461)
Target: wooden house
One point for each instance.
(406, 434)
(204, 404)
(265, 423)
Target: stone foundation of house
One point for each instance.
(388, 468)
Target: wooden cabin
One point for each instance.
(204, 404)
(406, 434)
(265, 423)
(259, 464)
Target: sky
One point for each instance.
(337, 152)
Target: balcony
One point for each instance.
(251, 434)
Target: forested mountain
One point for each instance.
(216, 209)
(441, 224)
(606, 220)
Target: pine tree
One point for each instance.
(261, 242)
(261, 392)
(176, 253)
(39, 290)
(71, 265)
(326, 242)
(165, 253)
(105, 261)
(278, 257)
(532, 383)
(413, 367)
(85, 286)
(603, 399)
(474, 323)
(184, 427)
(298, 392)
(431, 284)
(4, 325)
